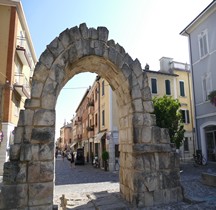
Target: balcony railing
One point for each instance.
(21, 85)
(90, 128)
(23, 51)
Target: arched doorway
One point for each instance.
(208, 140)
(149, 172)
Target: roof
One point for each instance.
(160, 72)
(200, 18)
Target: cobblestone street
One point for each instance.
(90, 188)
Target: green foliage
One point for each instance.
(168, 116)
(105, 155)
(212, 97)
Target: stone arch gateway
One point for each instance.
(149, 172)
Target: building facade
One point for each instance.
(17, 61)
(174, 79)
(202, 44)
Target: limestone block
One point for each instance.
(138, 106)
(57, 74)
(146, 92)
(15, 152)
(150, 164)
(149, 119)
(176, 194)
(49, 95)
(103, 33)
(148, 106)
(72, 53)
(128, 60)
(46, 171)
(32, 103)
(84, 30)
(26, 117)
(135, 93)
(35, 151)
(209, 179)
(93, 33)
(40, 193)
(15, 195)
(26, 152)
(143, 80)
(112, 54)
(136, 66)
(36, 89)
(98, 47)
(126, 70)
(44, 117)
(165, 138)
(22, 173)
(43, 135)
(65, 37)
(150, 148)
(27, 134)
(164, 161)
(74, 34)
(56, 47)
(170, 178)
(137, 119)
(18, 136)
(41, 72)
(146, 135)
(10, 172)
(137, 134)
(46, 151)
(34, 171)
(119, 60)
(156, 134)
(47, 58)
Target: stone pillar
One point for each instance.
(149, 173)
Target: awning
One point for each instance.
(98, 137)
(72, 145)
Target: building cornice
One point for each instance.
(199, 19)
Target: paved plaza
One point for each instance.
(90, 188)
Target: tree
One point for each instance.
(168, 116)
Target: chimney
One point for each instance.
(165, 64)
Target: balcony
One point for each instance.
(79, 136)
(21, 85)
(90, 103)
(90, 128)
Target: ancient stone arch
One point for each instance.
(149, 172)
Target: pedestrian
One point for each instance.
(72, 159)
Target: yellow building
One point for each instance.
(174, 79)
(17, 61)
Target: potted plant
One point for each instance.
(212, 97)
(105, 157)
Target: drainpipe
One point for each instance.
(195, 125)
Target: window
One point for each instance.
(203, 44)
(154, 85)
(103, 118)
(182, 90)
(206, 86)
(117, 153)
(186, 144)
(96, 92)
(167, 86)
(96, 119)
(102, 88)
(185, 116)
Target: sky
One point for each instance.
(146, 29)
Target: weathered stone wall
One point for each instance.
(149, 172)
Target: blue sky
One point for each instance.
(147, 29)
